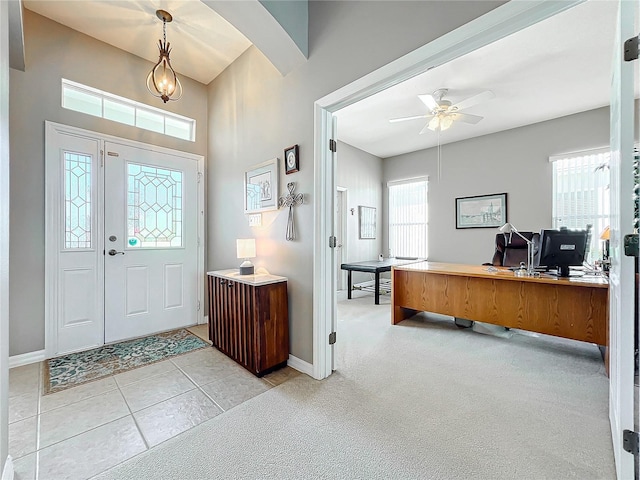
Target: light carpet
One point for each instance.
(423, 400)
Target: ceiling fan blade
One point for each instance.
(393, 120)
(426, 128)
(467, 117)
(429, 101)
(469, 102)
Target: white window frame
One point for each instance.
(137, 107)
(393, 248)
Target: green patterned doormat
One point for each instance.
(77, 368)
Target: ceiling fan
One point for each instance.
(442, 113)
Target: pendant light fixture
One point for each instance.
(162, 81)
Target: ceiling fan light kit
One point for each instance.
(162, 81)
(442, 113)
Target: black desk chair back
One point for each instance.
(511, 253)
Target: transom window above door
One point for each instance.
(89, 100)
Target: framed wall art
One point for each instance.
(481, 211)
(261, 187)
(291, 159)
(367, 219)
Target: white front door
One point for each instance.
(150, 241)
(621, 276)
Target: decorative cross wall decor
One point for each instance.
(291, 200)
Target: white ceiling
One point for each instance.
(203, 43)
(555, 68)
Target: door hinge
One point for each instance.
(631, 49)
(332, 338)
(332, 242)
(199, 176)
(102, 158)
(198, 241)
(333, 146)
(630, 441)
(198, 305)
(631, 245)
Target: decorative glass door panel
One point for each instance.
(154, 207)
(77, 200)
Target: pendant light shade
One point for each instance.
(162, 81)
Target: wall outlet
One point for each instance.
(255, 219)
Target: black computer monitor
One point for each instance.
(563, 248)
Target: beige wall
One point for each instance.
(54, 52)
(514, 161)
(254, 113)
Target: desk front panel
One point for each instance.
(571, 311)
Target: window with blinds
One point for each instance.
(408, 218)
(581, 195)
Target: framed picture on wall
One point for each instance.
(481, 211)
(291, 159)
(367, 220)
(261, 187)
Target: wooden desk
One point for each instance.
(573, 308)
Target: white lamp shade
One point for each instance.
(246, 247)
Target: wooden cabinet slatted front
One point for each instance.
(248, 319)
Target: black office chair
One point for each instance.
(510, 252)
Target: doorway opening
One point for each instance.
(497, 24)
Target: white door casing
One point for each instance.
(4, 239)
(74, 240)
(341, 235)
(621, 275)
(69, 292)
(334, 251)
(151, 217)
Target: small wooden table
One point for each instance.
(574, 307)
(374, 266)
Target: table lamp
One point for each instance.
(510, 229)
(246, 249)
(605, 236)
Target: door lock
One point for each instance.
(113, 252)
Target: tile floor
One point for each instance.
(85, 430)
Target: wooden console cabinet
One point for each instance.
(249, 319)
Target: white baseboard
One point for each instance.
(26, 358)
(206, 320)
(300, 365)
(7, 473)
